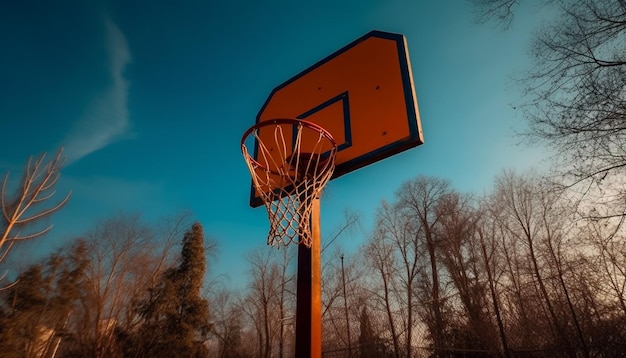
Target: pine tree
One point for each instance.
(366, 338)
(23, 305)
(176, 315)
(37, 307)
(370, 344)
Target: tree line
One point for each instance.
(517, 271)
(118, 291)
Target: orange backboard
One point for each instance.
(363, 94)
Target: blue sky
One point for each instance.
(150, 99)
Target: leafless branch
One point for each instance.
(27, 206)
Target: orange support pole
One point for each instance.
(309, 294)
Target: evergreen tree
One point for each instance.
(23, 304)
(176, 315)
(367, 336)
(370, 345)
(37, 307)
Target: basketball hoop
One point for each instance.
(289, 173)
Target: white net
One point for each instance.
(294, 161)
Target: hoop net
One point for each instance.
(294, 161)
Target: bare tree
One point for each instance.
(343, 295)
(610, 259)
(31, 203)
(460, 253)
(380, 256)
(579, 99)
(534, 217)
(268, 301)
(576, 98)
(404, 254)
(500, 11)
(338, 279)
(125, 258)
(227, 324)
(286, 296)
(486, 233)
(402, 232)
(595, 276)
(418, 198)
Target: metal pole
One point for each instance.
(309, 293)
(345, 304)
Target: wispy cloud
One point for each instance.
(106, 119)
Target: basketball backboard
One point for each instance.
(363, 94)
